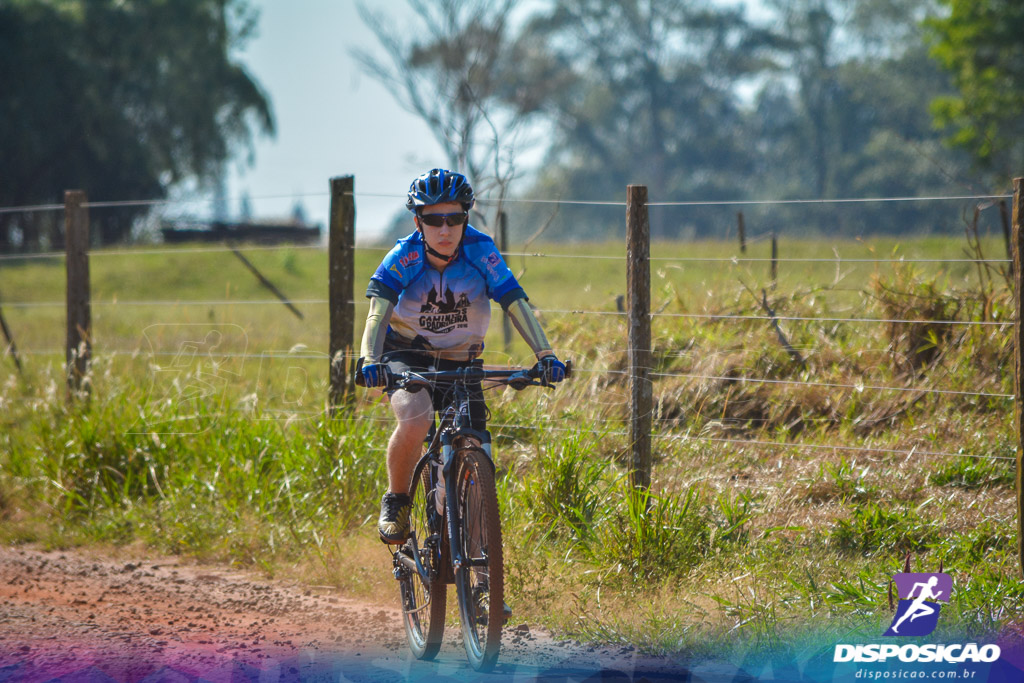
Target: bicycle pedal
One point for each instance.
(395, 543)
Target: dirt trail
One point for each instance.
(68, 615)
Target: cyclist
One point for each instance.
(429, 309)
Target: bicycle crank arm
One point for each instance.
(407, 563)
(413, 564)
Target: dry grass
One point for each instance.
(792, 511)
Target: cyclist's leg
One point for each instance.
(414, 413)
(413, 416)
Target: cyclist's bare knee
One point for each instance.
(414, 412)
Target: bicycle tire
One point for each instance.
(480, 583)
(416, 596)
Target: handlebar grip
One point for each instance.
(568, 368)
(360, 380)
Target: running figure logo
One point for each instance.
(918, 610)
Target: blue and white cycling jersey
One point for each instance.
(446, 312)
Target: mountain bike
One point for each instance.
(455, 527)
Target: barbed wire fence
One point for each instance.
(584, 312)
(643, 427)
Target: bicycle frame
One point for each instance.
(454, 423)
(456, 551)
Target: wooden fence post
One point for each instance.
(11, 346)
(1018, 337)
(341, 262)
(506, 322)
(1004, 215)
(79, 316)
(775, 260)
(742, 229)
(638, 282)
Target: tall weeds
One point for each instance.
(747, 533)
(236, 485)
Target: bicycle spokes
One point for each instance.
(479, 578)
(423, 595)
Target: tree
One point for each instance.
(120, 98)
(824, 99)
(646, 96)
(845, 114)
(456, 80)
(979, 42)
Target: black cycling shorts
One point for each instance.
(403, 359)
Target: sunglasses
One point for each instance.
(436, 220)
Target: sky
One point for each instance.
(332, 119)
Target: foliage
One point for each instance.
(758, 531)
(646, 98)
(971, 473)
(978, 42)
(877, 528)
(120, 99)
(697, 101)
(241, 485)
(452, 71)
(651, 536)
(917, 308)
(569, 491)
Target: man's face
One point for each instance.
(443, 238)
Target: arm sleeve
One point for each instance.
(511, 296)
(376, 326)
(526, 323)
(376, 288)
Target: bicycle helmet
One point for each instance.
(438, 186)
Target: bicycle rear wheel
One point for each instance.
(423, 603)
(480, 581)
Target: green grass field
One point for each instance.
(784, 494)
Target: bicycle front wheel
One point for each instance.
(423, 602)
(480, 580)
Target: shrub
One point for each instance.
(651, 536)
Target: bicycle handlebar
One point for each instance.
(517, 378)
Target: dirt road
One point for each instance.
(69, 616)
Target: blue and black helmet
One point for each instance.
(438, 186)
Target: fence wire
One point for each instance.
(557, 311)
(119, 203)
(306, 355)
(771, 444)
(744, 259)
(837, 260)
(172, 251)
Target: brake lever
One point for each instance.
(411, 382)
(520, 383)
